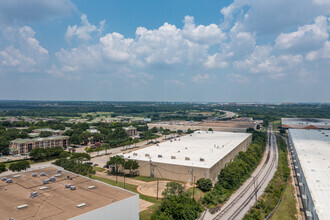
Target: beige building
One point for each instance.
(131, 131)
(23, 146)
(199, 155)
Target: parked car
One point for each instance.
(95, 165)
(106, 166)
(89, 162)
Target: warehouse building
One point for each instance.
(24, 146)
(51, 193)
(311, 157)
(306, 123)
(199, 155)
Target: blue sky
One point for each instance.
(241, 50)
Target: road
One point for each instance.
(245, 197)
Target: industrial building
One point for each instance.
(24, 146)
(306, 123)
(52, 193)
(311, 157)
(199, 155)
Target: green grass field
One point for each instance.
(287, 208)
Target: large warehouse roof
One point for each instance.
(200, 149)
(313, 150)
(306, 122)
(55, 201)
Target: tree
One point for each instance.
(173, 188)
(45, 134)
(37, 153)
(154, 130)
(116, 161)
(20, 165)
(106, 147)
(204, 184)
(64, 154)
(179, 132)
(2, 167)
(75, 139)
(80, 157)
(210, 129)
(131, 165)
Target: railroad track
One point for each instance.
(271, 144)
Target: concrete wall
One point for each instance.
(183, 173)
(121, 210)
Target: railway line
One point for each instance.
(241, 201)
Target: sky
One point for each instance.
(165, 50)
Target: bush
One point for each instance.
(204, 184)
(2, 167)
(19, 166)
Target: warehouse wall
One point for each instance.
(121, 210)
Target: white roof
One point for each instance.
(303, 122)
(313, 150)
(211, 146)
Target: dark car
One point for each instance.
(106, 166)
(89, 163)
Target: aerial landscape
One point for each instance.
(165, 109)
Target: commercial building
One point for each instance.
(131, 131)
(201, 155)
(311, 157)
(64, 196)
(54, 132)
(23, 146)
(306, 123)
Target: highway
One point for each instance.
(245, 197)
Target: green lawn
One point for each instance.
(198, 194)
(287, 208)
(99, 169)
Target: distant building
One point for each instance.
(147, 119)
(66, 196)
(93, 130)
(306, 123)
(54, 132)
(131, 131)
(23, 146)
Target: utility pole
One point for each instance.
(157, 187)
(194, 188)
(192, 174)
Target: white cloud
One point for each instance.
(175, 82)
(200, 78)
(307, 37)
(238, 78)
(84, 31)
(323, 53)
(24, 54)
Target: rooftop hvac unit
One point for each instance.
(42, 174)
(147, 155)
(16, 176)
(91, 187)
(43, 188)
(201, 159)
(4, 178)
(45, 182)
(9, 181)
(34, 175)
(59, 171)
(81, 205)
(67, 186)
(173, 157)
(58, 175)
(160, 156)
(22, 206)
(73, 188)
(187, 158)
(34, 194)
(135, 154)
(52, 179)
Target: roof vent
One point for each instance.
(42, 174)
(45, 182)
(201, 159)
(73, 188)
(147, 155)
(16, 176)
(9, 181)
(34, 175)
(42, 188)
(91, 187)
(22, 206)
(59, 171)
(160, 156)
(4, 178)
(81, 205)
(52, 179)
(173, 157)
(187, 158)
(67, 186)
(135, 154)
(58, 175)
